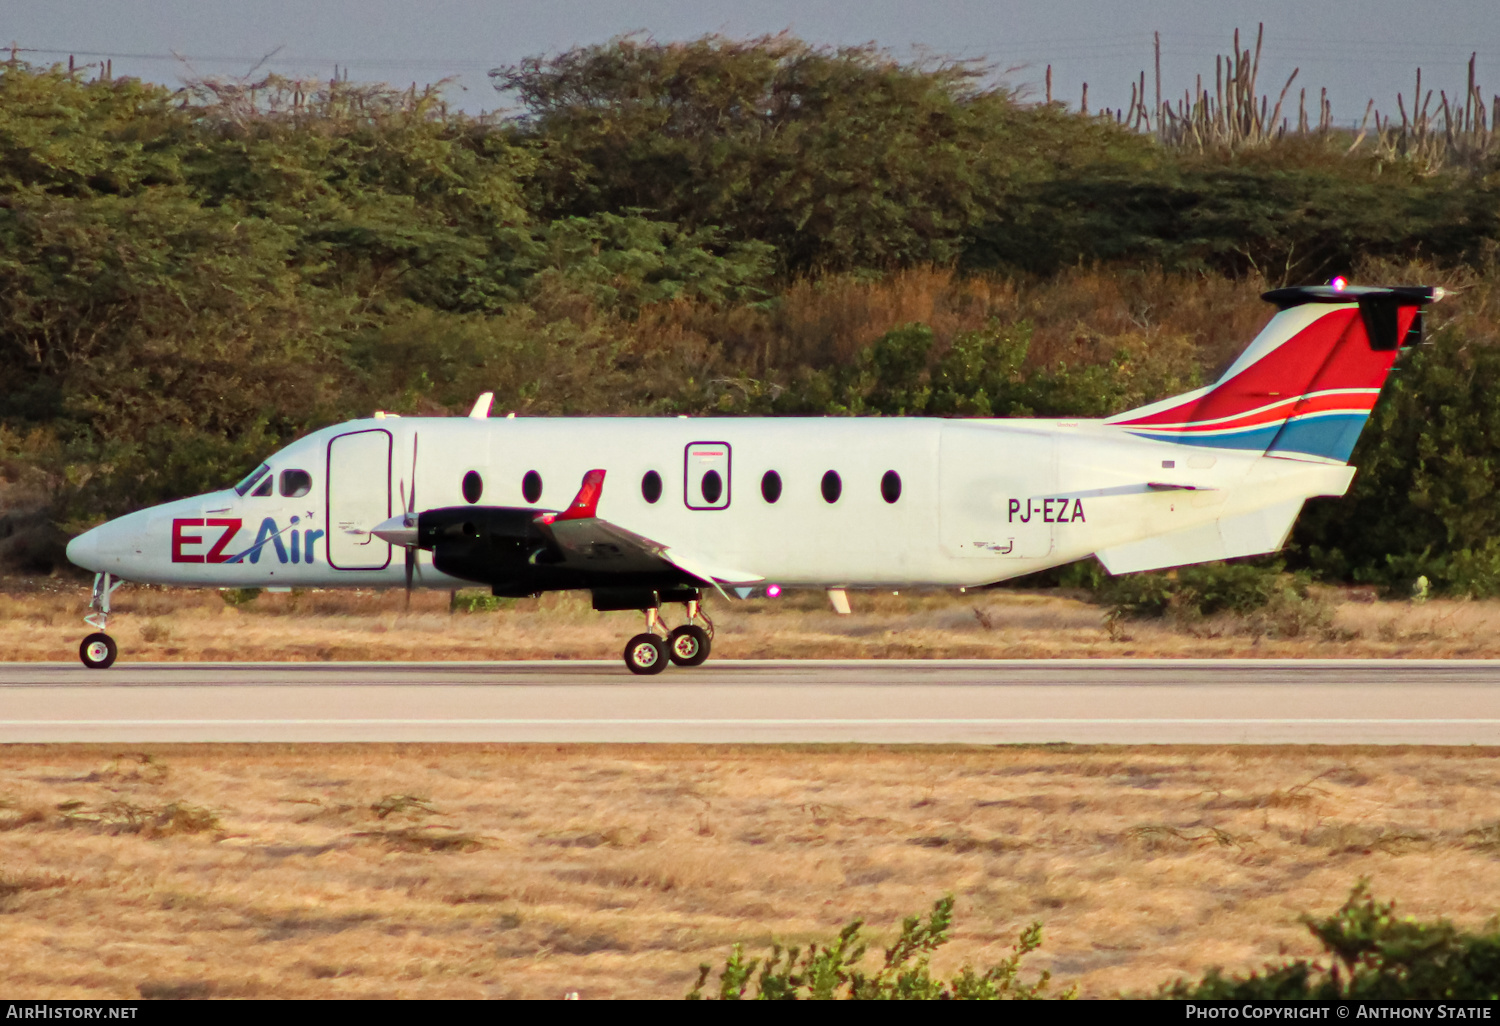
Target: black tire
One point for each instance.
(98, 651)
(646, 654)
(689, 645)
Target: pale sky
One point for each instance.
(1357, 48)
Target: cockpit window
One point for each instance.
(250, 479)
(264, 488)
(295, 483)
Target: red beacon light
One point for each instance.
(1339, 283)
(774, 591)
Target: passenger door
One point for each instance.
(359, 498)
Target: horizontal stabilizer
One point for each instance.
(1249, 534)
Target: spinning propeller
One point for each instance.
(409, 522)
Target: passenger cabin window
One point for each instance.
(770, 486)
(531, 486)
(264, 488)
(651, 486)
(713, 487)
(473, 486)
(833, 487)
(295, 483)
(890, 486)
(251, 478)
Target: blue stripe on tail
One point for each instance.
(1331, 435)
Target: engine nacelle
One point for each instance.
(496, 545)
(503, 547)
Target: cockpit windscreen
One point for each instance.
(250, 479)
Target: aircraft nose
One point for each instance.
(84, 550)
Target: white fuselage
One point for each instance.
(980, 500)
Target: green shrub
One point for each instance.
(474, 602)
(1375, 956)
(1423, 502)
(1204, 589)
(828, 971)
(239, 596)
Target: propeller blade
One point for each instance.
(410, 518)
(412, 507)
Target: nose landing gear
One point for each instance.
(98, 650)
(688, 645)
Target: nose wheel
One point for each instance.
(98, 650)
(650, 653)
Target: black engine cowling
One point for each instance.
(496, 545)
(502, 546)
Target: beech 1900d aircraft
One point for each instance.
(667, 508)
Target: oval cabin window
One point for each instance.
(890, 486)
(833, 486)
(473, 486)
(713, 487)
(770, 486)
(651, 486)
(531, 486)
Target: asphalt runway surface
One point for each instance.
(1451, 702)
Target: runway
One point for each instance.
(1454, 702)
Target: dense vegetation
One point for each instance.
(1371, 954)
(193, 277)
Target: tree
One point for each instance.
(840, 158)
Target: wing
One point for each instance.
(591, 543)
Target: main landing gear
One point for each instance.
(688, 645)
(98, 650)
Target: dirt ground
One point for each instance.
(43, 621)
(613, 871)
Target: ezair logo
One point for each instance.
(291, 544)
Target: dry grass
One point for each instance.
(1168, 325)
(1080, 316)
(531, 871)
(166, 624)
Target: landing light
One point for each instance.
(1339, 283)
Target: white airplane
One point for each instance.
(835, 503)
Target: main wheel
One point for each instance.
(646, 653)
(688, 645)
(98, 651)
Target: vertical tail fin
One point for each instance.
(1305, 387)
